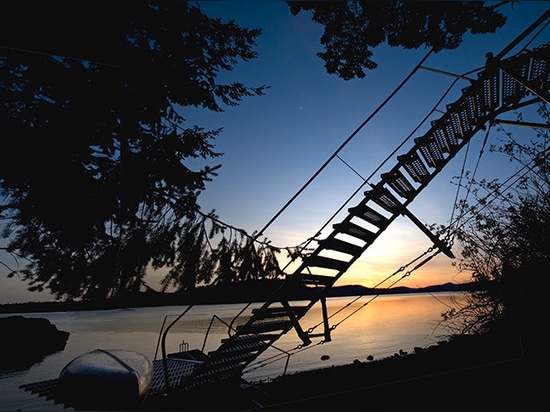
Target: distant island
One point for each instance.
(251, 291)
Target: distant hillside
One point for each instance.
(252, 291)
(356, 290)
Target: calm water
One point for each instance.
(379, 327)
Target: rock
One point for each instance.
(418, 349)
(28, 340)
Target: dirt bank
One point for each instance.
(471, 373)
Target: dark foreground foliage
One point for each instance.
(477, 372)
(459, 373)
(28, 340)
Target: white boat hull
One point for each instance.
(106, 379)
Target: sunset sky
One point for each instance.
(274, 144)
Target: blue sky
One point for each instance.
(273, 144)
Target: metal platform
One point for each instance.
(176, 369)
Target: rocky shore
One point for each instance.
(466, 373)
(481, 372)
(27, 340)
(476, 372)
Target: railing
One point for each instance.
(214, 317)
(163, 347)
(184, 346)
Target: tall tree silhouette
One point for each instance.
(352, 29)
(505, 243)
(95, 176)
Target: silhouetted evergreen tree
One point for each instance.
(97, 179)
(505, 243)
(352, 29)
(99, 174)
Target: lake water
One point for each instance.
(378, 326)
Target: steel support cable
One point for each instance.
(507, 184)
(351, 168)
(344, 144)
(301, 347)
(365, 181)
(408, 273)
(522, 36)
(401, 269)
(469, 187)
(277, 357)
(546, 15)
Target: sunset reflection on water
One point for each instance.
(382, 327)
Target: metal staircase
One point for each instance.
(502, 86)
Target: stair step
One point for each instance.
(415, 167)
(354, 230)
(278, 312)
(219, 369)
(446, 135)
(430, 151)
(210, 377)
(512, 91)
(399, 184)
(379, 195)
(241, 347)
(341, 246)
(462, 120)
(326, 262)
(473, 108)
(267, 326)
(491, 92)
(369, 215)
(250, 338)
(222, 359)
(307, 279)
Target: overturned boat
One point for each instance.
(105, 379)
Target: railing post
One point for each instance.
(163, 348)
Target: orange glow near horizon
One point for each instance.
(401, 246)
(436, 272)
(385, 273)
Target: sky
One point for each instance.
(273, 144)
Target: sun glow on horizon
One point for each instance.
(396, 258)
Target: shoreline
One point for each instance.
(471, 372)
(255, 291)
